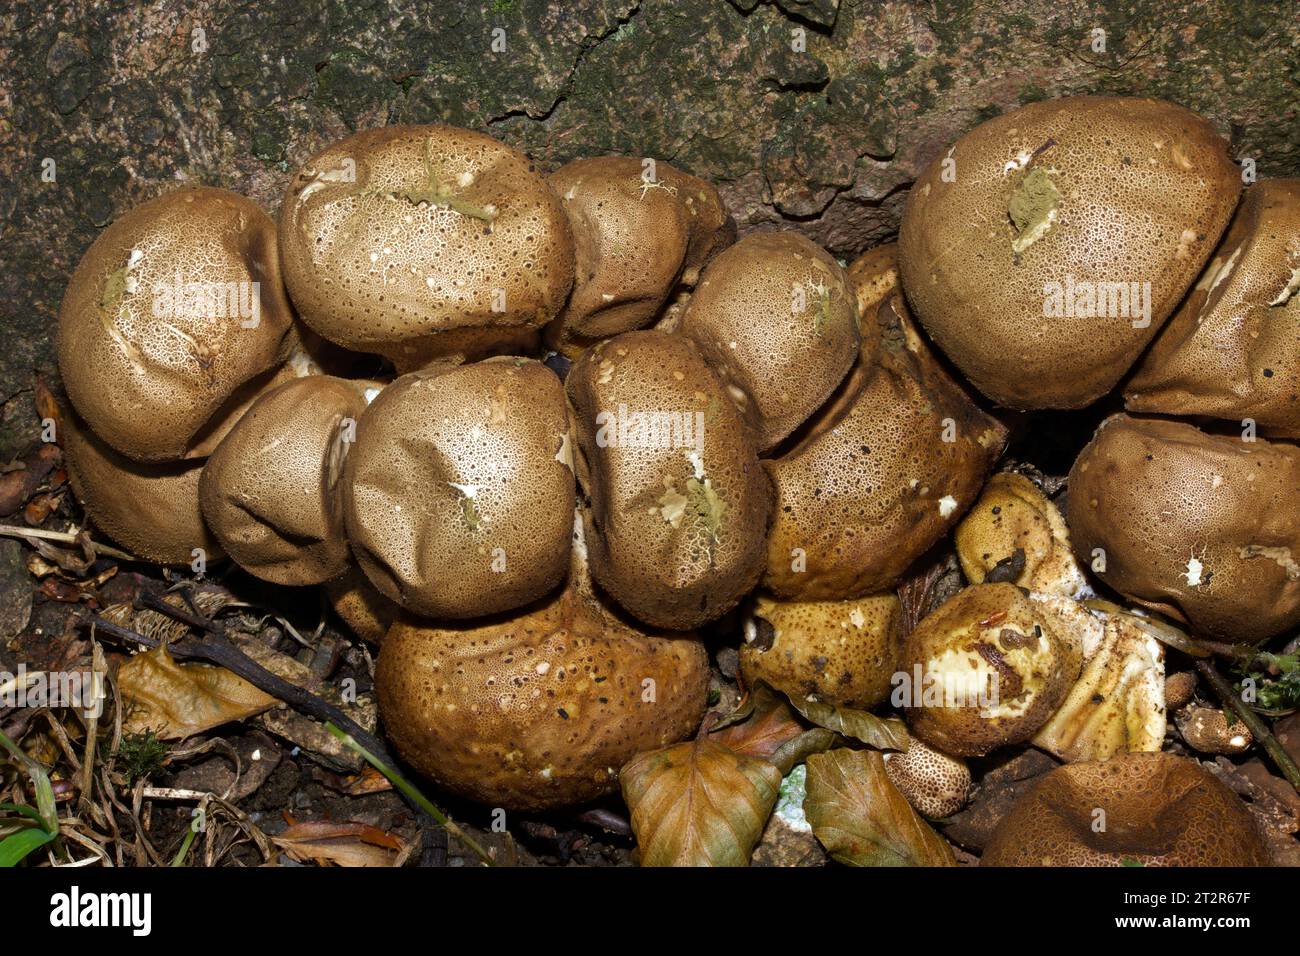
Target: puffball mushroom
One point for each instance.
(1202, 528)
(1118, 703)
(422, 241)
(987, 669)
(1024, 249)
(362, 608)
(151, 509)
(270, 490)
(880, 474)
(1231, 351)
(540, 709)
(774, 316)
(840, 652)
(1208, 731)
(935, 784)
(458, 492)
(679, 504)
(1156, 809)
(637, 234)
(1015, 534)
(173, 308)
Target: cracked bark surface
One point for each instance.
(816, 114)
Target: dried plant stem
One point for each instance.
(64, 537)
(1258, 729)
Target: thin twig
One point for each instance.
(217, 648)
(1258, 728)
(65, 537)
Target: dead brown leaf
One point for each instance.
(179, 700)
(698, 804)
(861, 817)
(340, 844)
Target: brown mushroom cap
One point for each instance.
(841, 652)
(1013, 526)
(874, 480)
(152, 510)
(1085, 189)
(367, 612)
(540, 709)
(634, 240)
(1202, 528)
(774, 316)
(679, 503)
(1231, 351)
(934, 783)
(152, 335)
(394, 237)
(270, 490)
(458, 493)
(1160, 810)
(993, 664)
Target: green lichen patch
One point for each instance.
(1033, 208)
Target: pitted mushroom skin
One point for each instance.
(1231, 351)
(639, 232)
(151, 509)
(1144, 809)
(775, 317)
(422, 241)
(270, 491)
(1045, 249)
(458, 493)
(540, 709)
(1203, 528)
(679, 503)
(173, 309)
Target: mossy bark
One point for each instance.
(813, 113)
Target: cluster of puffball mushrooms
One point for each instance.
(603, 423)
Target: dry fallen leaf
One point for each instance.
(342, 844)
(765, 727)
(179, 700)
(884, 733)
(698, 804)
(861, 817)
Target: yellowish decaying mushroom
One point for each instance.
(1118, 703)
(1014, 533)
(988, 669)
(840, 652)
